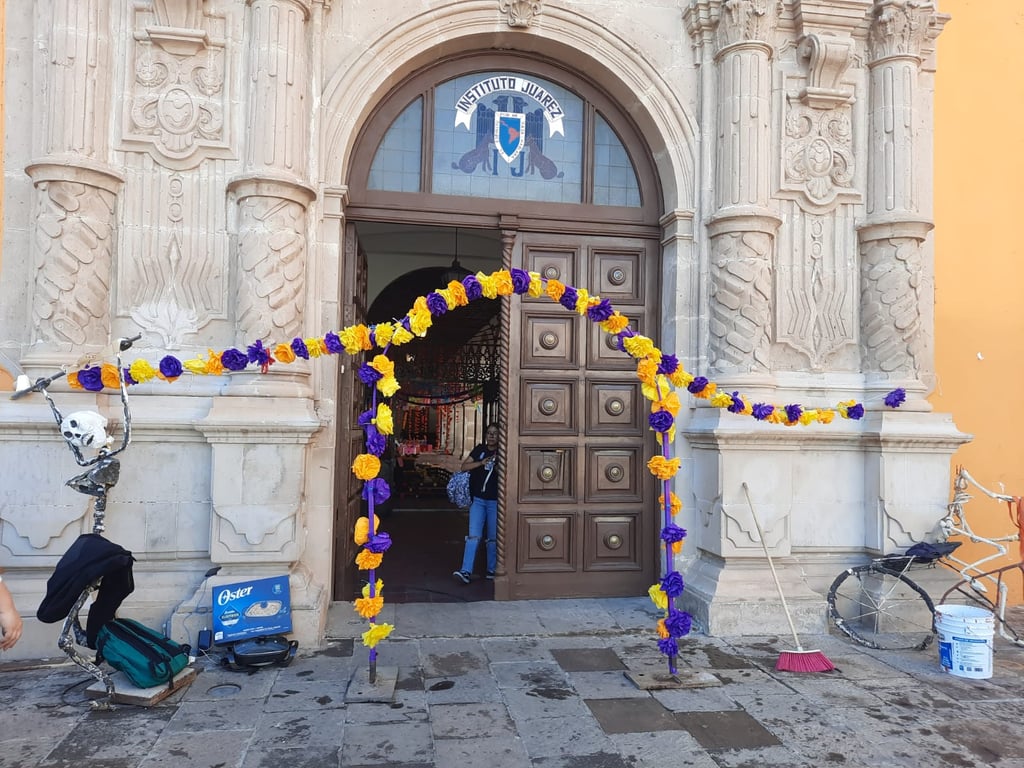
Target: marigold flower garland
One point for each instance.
(660, 374)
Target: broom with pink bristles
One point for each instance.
(798, 660)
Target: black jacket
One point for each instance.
(89, 558)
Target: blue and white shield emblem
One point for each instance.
(509, 134)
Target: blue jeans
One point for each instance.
(482, 511)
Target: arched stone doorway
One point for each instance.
(542, 156)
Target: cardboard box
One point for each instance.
(251, 609)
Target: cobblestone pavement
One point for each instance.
(550, 684)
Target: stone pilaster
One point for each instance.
(75, 201)
(742, 227)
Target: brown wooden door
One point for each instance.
(350, 438)
(579, 510)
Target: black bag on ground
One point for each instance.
(145, 656)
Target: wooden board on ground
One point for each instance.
(126, 693)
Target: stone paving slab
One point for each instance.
(551, 692)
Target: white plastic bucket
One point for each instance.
(965, 640)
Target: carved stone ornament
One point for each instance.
(828, 57)
(520, 12)
(178, 100)
(818, 155)
(746, 21)
(900, 27)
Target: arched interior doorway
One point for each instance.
(537, 159)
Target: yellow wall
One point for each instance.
(979, 209)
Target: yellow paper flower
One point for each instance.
(647, 371)
(554, 290)
(658, 597)
(367, 560)
(401, 336)
(355, 339)
(503, 282)
(638, 346)
(721, 400)
(825, 415)
(582, 301)
(677, 505)
(214, 367)
(382, 333)
(384, 421)
(615, 323)
(662, 629)
(197, 365)
(458, 292)
(388, 386)
(488, 285)
(366, 466)
(284, 353)
(375, 634)
(662, 468)
(383, 365)
(109, 377)
(662, 436)
(379, 588)
(368, 607)
(536, 289)
(141, 371)
(316, 347)
(420, 319)
(669, 402)
(362, 529)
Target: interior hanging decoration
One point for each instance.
(661, 375)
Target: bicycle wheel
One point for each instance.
(881, 608)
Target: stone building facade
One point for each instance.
(185, 168)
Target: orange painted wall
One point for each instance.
(979, 256)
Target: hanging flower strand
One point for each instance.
(661, 376)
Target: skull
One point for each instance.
(84, 429)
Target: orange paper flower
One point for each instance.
(366, 466)
(367, 560)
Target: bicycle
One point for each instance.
(879, 606)
(92, 565)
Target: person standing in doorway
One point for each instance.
(482, 465)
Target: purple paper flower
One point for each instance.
(257, 353)
(672, 533)
(333, 343)
(698, 385)
(91, 379)
(762, 411)
(601, 311)
(668, 646)
(661, 421)
(366, 418)
(896, 398)
(678, 623)
(407, 323)
(855, 412)
(473, 288)
(170, 367)
(234, 360)
(128, 378)
(377, 489)
(621, 337)
(569, 298)
(376, 443)
(668, 364)
(300, 349)
(737, 403)
(793, 412)
(672, 584)
(379, 542)
(520, 281)
(436, 304)
(369, 375)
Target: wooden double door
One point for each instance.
(578, 511)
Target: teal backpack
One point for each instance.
(145, 656)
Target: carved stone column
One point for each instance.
(743, 226)
(895, 284)
(75, 188)
(272, 195)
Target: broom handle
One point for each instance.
(771, 565)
